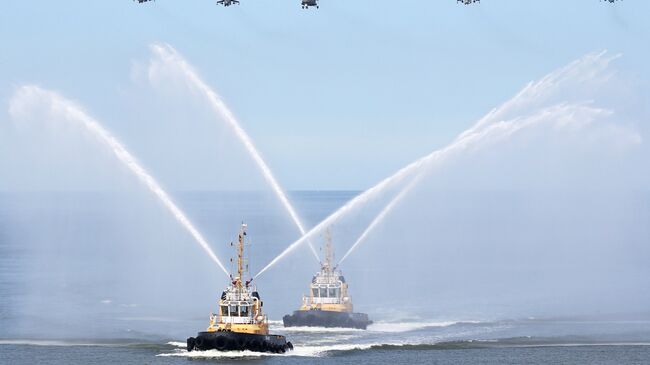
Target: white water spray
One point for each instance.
(587, 68)
(29, 96)
(587, 72)
(561, 116)
(171, 58)
(378, 219)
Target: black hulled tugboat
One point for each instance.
(328, 303)
(240, 323)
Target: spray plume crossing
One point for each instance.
(171, 58)
(28, 96)
(378, 219)
(559, 115)
(589, 67)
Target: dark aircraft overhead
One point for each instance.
(228, 2)
(306, 4)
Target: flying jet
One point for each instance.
(468, 2)
(142, 1)
(228, 2)
(307, 3)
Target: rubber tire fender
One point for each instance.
(190, 343)
(241, 344)
(220, 343)
(199, 342)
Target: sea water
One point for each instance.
(139, 333)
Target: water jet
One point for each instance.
(31, 96)
(171, 58)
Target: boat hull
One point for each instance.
(321, 318)
(235, 341)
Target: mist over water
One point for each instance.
(536, 210)
(562, 116)
(168, 60)
(560, 99)
(378, 220)
(539, 209)
(30, 98)
(142, 281)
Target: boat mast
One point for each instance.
(329, 254)
(240, 255)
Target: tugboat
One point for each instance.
(328, 303)
(241, 324)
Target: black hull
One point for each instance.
(235, 341)
(319, 318)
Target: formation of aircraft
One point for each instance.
(306, 4)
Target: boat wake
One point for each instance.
(394, 327)
(384, 327)
(298, 351)
(336, 340)
(318, 329)
(324, 350)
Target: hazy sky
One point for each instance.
(335, 98)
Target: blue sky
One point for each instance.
(335, 98)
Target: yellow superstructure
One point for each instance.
(240, 306)
(328, 290)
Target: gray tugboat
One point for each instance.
(328, 303)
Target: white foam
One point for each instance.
(330, 339)
(177, 344)
(319, 329)
(210, 354)
(409, 326)
(321, 350)
(298, 351)
(390, 327)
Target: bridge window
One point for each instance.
(323, 292)
(234, 311)
(314, 292)
(224, 310)
(333, 292)
(243, 310)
